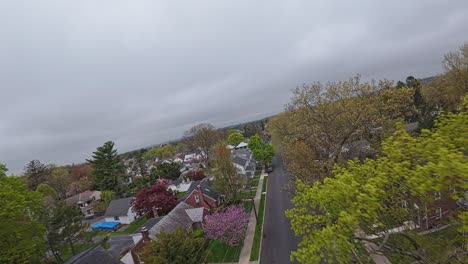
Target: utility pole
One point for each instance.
(254, 208)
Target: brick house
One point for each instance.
(435, 212)
(202, 194)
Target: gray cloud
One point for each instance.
(74, 74)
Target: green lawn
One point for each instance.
(129, 230)
(258, 229)
(220, 252)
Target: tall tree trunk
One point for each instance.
(70, 242)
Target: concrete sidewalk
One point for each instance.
(250, 233)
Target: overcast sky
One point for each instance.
(74, 74)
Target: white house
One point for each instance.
(120, 210)
(179, 185)
(242, 145)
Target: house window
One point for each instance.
(88, 212)
(116, 218)
(404, 204)
(197, 199)
(439, 213)
(437, 195)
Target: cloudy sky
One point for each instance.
(74, 74)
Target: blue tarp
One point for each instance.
(105, 225)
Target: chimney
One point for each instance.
(202, 199)
(145, 234)
(155, 212)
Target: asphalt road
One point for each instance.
(278, 238)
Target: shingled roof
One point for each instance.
(119, 207)
(96, 255)
(176, 218)
(207, 189)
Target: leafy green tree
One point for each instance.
(107, 197)
(235, 138)
(21, 235)
(162, 152)
(321, 119)
(169, 171)
(178, 247)
(46, 191)
(227, 181)
(108, 169)
(261, 151)
(67, 219)
(60, 179)
(333, 216)
(36, 173)
(255, 142)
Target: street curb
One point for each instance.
(263, 223)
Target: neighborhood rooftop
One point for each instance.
(119, 207)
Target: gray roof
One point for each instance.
(239, 160)
(207, 188)
(195, 214)
(149, 224)
(95, 255)
(251, 167)
(119, 207)
(246, 153)
(176, 218)
(81, 197)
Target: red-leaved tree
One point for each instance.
(227, 225)
(196, 175)
(157, 198)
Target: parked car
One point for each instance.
(269, 169)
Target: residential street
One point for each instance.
(278, 238)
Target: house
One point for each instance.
(230, 147)
(192, 157)
(85, 202)
(431, 213)
(179, 185)
(183, 215)
(178, 160)
(120, 210)
(95, 255)
(202, 194)
(242, 145)
(242, 160)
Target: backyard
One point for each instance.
(126, 231)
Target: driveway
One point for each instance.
(278, 238)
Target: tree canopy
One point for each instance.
(235, 138)
(322, 118)
(178, 247)
(165, 170)
(21, 234)
(228, 225)
(261, 151)
(367, 195)
(36, 173)
(108, 169)
(156, 197)
(227, 181)
(202, 137)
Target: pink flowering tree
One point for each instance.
(227, 225)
